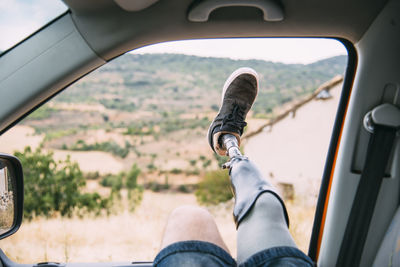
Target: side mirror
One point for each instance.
(11, 195)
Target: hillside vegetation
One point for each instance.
(179, 83)
(160, 88)
(154, 110)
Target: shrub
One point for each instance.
(166, 183)
(125, 180)
(54, 187)
(214, 188)
(176, 171)
(151, 167)
(154, 186)
(113, 181)
(42, 113)
(131, 178)
(206, 163)
(135, 196)
(109, 146)
(193, 172)
(183, 188)
(92, 175)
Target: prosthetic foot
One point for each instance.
(238, 95)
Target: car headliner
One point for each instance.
(111, 31)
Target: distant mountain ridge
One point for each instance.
(135, 81)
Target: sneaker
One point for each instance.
(238, 95)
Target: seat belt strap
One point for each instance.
(384, 123)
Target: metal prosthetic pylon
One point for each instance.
(230, 142)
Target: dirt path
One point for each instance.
(18, 137)
(92, 161)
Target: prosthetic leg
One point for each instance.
(246, 180)
(259, 212)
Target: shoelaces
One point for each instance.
(235, 119)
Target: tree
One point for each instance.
(54, 187)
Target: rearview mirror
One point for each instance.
(11, 195)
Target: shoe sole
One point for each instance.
(228, 81)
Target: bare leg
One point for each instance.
(264, 225)
(191, 223)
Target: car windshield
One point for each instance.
(20, 18)
(127, 144)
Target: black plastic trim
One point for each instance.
(16, 169)
(339, 120)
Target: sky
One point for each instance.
(285, 50)
(19, 18)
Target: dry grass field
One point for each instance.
(120, 237)
(125, 236)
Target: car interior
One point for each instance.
(356, 221)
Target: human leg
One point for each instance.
(191, 223)
(191, 238)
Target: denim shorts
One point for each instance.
(199, 253)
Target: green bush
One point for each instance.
(109, 146)
(154, 186)
(41, 113)
(151, 167)
(92, 175)
(55, 187)
(131, 178)
(195, 171)
(135, 196)
(118, 104)
(125, 180)
(176, 171)
(206, 163)
(113, 181)
(183, 188)
(214, 188)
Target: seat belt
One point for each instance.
(384, 123)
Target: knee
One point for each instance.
(270, 204)
(190, 215)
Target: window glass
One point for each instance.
(20, 18)
(128, 145)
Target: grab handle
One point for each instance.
(201, 11)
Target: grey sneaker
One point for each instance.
(238, 95)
